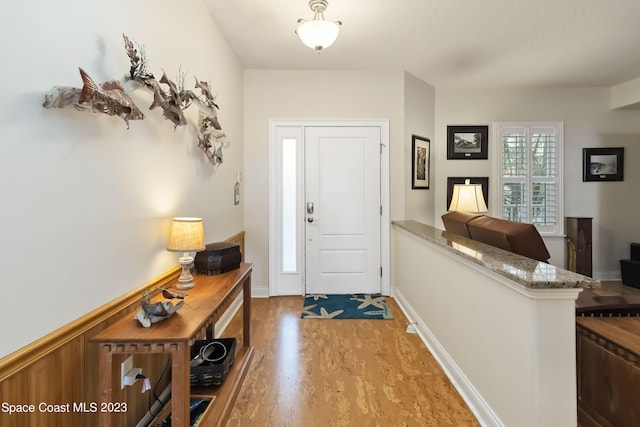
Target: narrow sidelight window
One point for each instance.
(289, 203)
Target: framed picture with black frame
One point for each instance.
(482, 180)
(467, 142)
(603, 164)
(420, 152)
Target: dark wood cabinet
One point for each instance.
(578, 230)
(608, 362)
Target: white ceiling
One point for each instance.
(448, 43)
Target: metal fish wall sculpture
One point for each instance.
(109, 99)
(112, 98)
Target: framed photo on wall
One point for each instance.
(467, 142)
(603, 164)
(420, 152)
(482, 180)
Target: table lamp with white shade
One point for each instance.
(186, 236)
(468, 197)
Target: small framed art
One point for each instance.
(603, 164)
(467, 142)
(420, 148)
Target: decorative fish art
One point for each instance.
(109, 99)
(210, 139)
(112, 98)
(170, 103)
(139, 77)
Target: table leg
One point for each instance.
(105, 360)
(180, 385)
(211, 332)
(246, 312)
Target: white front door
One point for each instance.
(342, 209)
(346, 247)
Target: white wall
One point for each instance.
(318, 95)
(86, 202)
(589, 121)
(508, 349)
(626, 95)
(419, 111)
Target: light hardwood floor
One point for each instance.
(328, 372)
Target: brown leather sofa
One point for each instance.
(517, 237)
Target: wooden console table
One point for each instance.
(210, 297)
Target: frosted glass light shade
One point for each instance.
(318, 34)
(468, 198)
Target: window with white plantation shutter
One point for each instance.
(530, 155)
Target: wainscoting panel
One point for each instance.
(55, 379)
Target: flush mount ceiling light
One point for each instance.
(318, 34)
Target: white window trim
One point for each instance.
(496, 188)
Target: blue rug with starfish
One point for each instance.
(352, 306)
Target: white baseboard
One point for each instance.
(259, 292)
(614, 275)
(469, 394)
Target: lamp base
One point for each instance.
(185, 285)
(185, 281)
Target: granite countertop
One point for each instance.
(525, 271)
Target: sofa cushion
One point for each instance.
(491, 231)
(456, 222)
(517, 237)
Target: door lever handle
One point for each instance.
(310, 219)
(310, 208)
